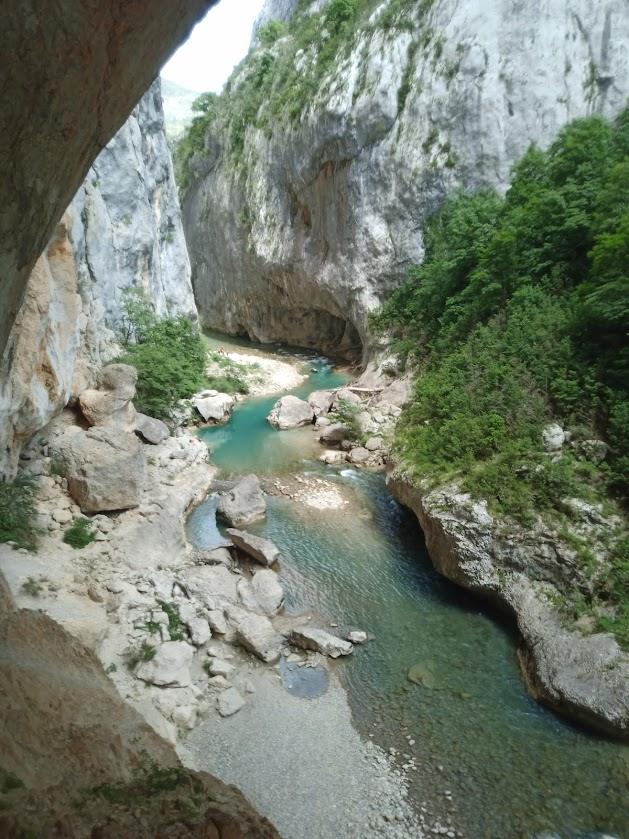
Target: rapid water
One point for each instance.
(514, 769)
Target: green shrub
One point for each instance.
(169, 355)
(176, 628)
(79, 534)
(135, 655)
(32, 587)
(272, 31)
(347, 414)
(18, 512)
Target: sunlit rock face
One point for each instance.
(123, 229)
(323, 216)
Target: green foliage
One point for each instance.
(9, 782)
(231, 378)
(18, 512)
(289, 66)
(347, 414)
(135, 655)
(150, 780)
(271, 32)
(79, 534)
(32, 587)
(169, 355)
(615, 591)
(192, 142)
(519, 315)
(176, 628)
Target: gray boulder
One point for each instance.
(290, 412)
(309, 638)
(332, 435)
(374, 444)
(263, 593)
(359, 455)
(321, 401)
(553, 437)
(151, 430)
(257, 635)
(593, 450)
(261, 550)
(216, 408)
(243, 504)
(170, 667)
(229, 702)
(104, 468)
(111, 405)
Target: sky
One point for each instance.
(216, 45)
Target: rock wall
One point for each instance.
(67, 737)
(585, 677)
(122, 229)
(71, 73)
(322, 216)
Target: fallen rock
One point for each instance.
(229, 702)
(112, 404)
(216, 619)
(553, 437)
(332, 456)
(62, 516)
(332, 435)
(211, 585)
(322, 422)
(359, 455)
(260, 549)
(170, 667)
(151, 430)
(218, 556)
(320, 641)
(200, 632)
(219, 667)
(344, 394)
(374, 444)
(217, 408)
(263, 593)
(104, 468)
(321, 401)
(290, 412)
(357, 637)
(243, 504)
(257, 634)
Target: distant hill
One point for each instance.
(177, 108)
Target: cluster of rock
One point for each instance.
(361, 440)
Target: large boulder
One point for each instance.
(104, 468)
(169, 667)
(332, 435)
(309, 638)
(243, 504)
(215, 407)
(151, 430)
(321, 401)
(229, 702)
(359, 455)
(261, 550)
(111, 405)
(257, 635)
(290, 412)
(264, 593)
(553, 437)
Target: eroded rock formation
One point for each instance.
(71, 73)
(319, 218)
(123, 229)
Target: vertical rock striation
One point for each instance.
(300, 232)
(123, 229)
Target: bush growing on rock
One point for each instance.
(169, 355)
(18, 512)
(519, 317)
(79, 534)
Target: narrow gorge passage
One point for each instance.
(486, 754)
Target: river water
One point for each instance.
(513, 768)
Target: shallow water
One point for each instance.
(514, 768)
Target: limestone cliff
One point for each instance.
(122, 229)
(301, 214)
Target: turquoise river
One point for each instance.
(514, 768)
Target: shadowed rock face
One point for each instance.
(75, 760)
(71, 73)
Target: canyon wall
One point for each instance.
(302, 229)
(123, 229)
